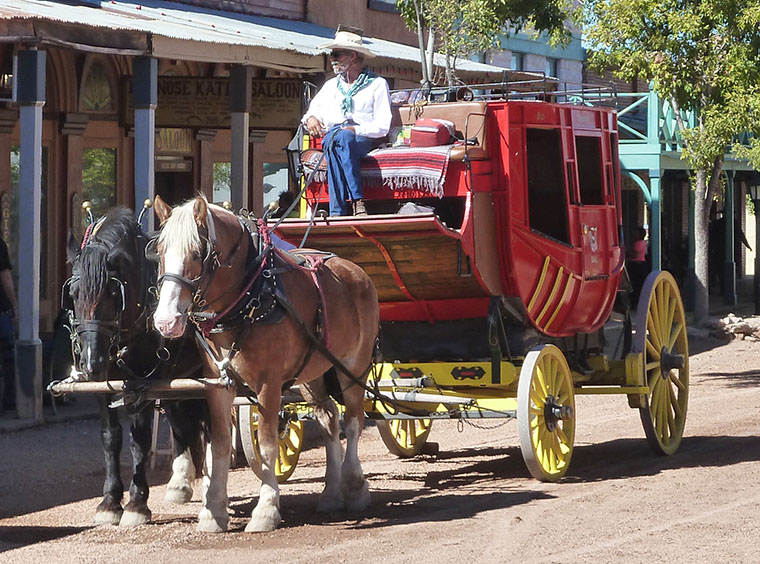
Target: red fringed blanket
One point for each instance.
(421, 168)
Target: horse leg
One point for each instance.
(109, 509)
(185, 419)
(137, 512)
(353, 483)
(326, 413)
(266, 515)
(213, 518)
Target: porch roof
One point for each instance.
(181, 31)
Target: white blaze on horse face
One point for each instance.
(170, 317)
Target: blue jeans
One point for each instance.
(343, 150)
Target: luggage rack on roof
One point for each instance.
(515, 85)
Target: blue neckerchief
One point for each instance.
(362, 81)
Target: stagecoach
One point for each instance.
(499, 263)
(498, 280)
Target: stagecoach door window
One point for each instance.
(588, 155)
(222, 182)
(99, 180)
(10, 223)
(547, 199)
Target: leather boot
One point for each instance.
(359, 208)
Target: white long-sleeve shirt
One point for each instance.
(372, 107)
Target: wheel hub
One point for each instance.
(553, 412)
(670, 361)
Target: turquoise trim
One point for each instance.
(523, 43)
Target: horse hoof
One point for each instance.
(358, 499)
(208, 524)
(263, 520)
(330, 503)
(108, 517)
(131, 518)
(179, 496)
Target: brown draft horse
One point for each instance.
(256, 306)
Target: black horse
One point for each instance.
(109, 297)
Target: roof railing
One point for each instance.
(514, 85)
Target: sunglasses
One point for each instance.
(338, 54)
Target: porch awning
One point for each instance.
(185, 32)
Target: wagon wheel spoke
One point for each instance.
(405, 437)
(289, 444)
(662, 340)
(545, 413)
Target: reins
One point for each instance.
(265, 257)
(120, 338)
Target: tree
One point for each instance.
(701, 56)
(459, 28)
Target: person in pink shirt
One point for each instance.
(639, 249)
(637, 263)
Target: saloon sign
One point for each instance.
(205, 103)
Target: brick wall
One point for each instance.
(287, 9)
(592, 78)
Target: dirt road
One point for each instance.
(473, 502)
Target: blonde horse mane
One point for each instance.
(181, 230)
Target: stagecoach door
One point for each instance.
(594, 240)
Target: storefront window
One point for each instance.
(222, 182)
(10, 223)
(275, 181)
(99, 180)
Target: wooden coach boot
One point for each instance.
(359, 208)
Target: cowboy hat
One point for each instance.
(348, 39)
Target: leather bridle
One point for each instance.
(209, 267)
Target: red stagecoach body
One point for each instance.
(529, 213)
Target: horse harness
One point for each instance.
(120, 338)
(262, 299)
(112, 329)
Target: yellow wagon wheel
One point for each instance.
(290, 443)
(546, 413)
(661, 336)
(404, 437)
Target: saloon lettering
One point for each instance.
(204, 102)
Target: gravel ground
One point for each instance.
(473, 501)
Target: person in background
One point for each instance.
(8, 323)
(637, 263)
(352, 113)
(284, 200)
(716, 249)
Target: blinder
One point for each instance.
(209, 264)
(151, 250)
(114, 288)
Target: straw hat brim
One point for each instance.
(348, 46)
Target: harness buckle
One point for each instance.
(223, 365)
(256, 303)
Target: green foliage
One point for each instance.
(222, 176)
(99, 179)
(700, 54)
(463, 27)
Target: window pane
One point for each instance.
(588, 154)
(222, 182)
(517, 61)
(99, 180)
(551, 67)
(546, 184)
(275, 181)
